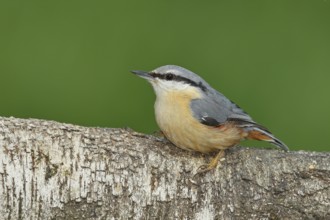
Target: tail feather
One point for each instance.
(257, 133)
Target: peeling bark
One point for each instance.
(51, 170)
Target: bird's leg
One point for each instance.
(213, 163)
(159, 133)
(160, 136)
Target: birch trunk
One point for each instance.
(51, 170)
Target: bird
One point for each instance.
(196, 117)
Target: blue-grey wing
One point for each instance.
(215, 109)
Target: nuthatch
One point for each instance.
(194, 116)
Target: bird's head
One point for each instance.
(171, 78)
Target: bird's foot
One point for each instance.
(159, 133)
(213, 163)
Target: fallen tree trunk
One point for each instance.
(51, 170)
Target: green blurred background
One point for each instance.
(69, 60)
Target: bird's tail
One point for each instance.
(260, 133)
(255, 131)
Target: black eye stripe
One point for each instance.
(169, 76)
(173, 77)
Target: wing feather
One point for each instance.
(215, 109)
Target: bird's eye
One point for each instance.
(169, 76)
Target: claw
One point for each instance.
(202, 168)
(213, 164)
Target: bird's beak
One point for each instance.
(142, 74)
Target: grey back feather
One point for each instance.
(216, 105)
